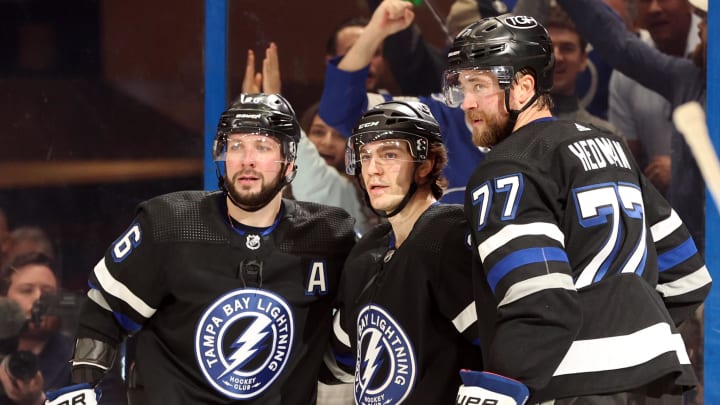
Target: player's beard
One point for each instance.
(250, 200)
(495, 130)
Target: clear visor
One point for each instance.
(387, 153)
(256, 147)
(480, 81)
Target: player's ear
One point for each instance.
(424, 169)
(290, 168)
(523, 88)
(526, 85)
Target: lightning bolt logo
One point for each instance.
(386, 362)
(240, 348)
(248, 344)
(373, 359)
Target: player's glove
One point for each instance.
(74, 394)
(481, 387)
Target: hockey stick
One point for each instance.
(689, 119)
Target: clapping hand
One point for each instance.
(269, 80)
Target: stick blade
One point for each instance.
(689, 119)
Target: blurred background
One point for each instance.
(103, 103)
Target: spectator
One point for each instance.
(27, 239)
(417, 65)
(570, 59)
(24, 279)
(641, 114)
(345, 99)
(330, 144)
(328, 141)
(343, 37)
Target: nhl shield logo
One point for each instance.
(385, 369)
(252, 241)
(243, 342)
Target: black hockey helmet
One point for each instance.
(259, 114)
(266, 114)
(408, 120)
(505, 45)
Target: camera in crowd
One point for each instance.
(56, 312)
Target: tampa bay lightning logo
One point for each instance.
(386, 369)
(243, 342)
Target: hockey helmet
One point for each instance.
(406, 120)
(503, 45)
(261, 114)
(268, 115)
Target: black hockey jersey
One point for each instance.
(407, 322)
(223, 314)
(586, 268)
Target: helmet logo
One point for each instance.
(368, 124)
(521, 21)
(250, 116)
(252, 99)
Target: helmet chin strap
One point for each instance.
(515, 113)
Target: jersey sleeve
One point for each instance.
(338, 362)
(126, 285)
(345, 99)
(683, 279)
(452, 285)
(525, 266)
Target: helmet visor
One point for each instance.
(363, 148)
(388, 153)
(478, 81)
(254, 146)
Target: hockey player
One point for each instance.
(229, 293)
(586, 270)
(406, 322)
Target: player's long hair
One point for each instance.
(438, 154)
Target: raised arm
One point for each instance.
(415, 64)
(344, 97)
(390, 17)
(627, 53)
